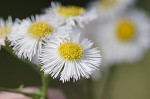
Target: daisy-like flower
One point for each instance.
(29, 36)
(70, 58)
(5, 30)
(123, 39)
(107, 9)
(70, 15)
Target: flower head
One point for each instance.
(5, 30)
(123, 39)
(29, 36)
(73, 57)
(70, 15)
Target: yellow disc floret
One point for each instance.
(4, 30)
(68, 11)
(40, 29)
(70, 51)
(106, 4)
(125, 30)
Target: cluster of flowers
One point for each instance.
(51, 40)
(55, 39)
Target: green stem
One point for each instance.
(44, 88)
(32, 95)
(106, 82)
(103, 83)
(44, 77)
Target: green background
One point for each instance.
(129, 81)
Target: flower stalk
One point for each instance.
(106, 82)
(44, 88)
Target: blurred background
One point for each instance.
(129, 81)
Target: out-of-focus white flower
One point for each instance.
(5, 30)
(107, 9)
(28, 37)
(123, 39)
(71, 58)
(70, 15)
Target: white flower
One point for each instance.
(29, 36)
(107, 9)
(123, 39)
(70, 15)
(70, 58)
(5, 30)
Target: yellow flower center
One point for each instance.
(40, 29)
(106, 4)
(126, 30)
(70, 51)
(4, 31)
(68, 11)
